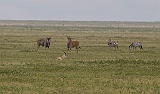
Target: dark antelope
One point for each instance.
(135, 44)
(43, 42)
(72, 44)
(113, 44)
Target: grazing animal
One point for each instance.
(43, 42)
(135, 44)
(72, 44)
(113, 44)
(61, 57)
(6, 40)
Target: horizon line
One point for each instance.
(75, 20)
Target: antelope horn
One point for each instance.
(64, 52)
(66, 36)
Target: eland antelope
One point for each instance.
(72, 44)
(45, 42)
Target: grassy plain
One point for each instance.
(96, 69)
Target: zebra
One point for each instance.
(134, 45)
(113, 44)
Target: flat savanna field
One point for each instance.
(96, 69)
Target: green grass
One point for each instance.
(119, 76)
(96, 69)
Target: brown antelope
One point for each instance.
(72, 44)
(61, 57)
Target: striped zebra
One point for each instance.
(113, 44)
(134, 45)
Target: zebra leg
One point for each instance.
(140, 47)
(134, 48)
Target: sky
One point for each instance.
(80, 10)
